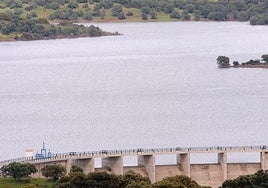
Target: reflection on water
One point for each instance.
(155, 86)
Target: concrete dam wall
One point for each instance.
(210, 174)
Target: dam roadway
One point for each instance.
(211, 174)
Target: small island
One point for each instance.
(15, 28)
(224, 62)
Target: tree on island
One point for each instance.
(223, 61)
(235, 63)
(252, 62)
(265, 58)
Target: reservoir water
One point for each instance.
(157, 85)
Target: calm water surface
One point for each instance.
(155, 86)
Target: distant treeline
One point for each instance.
(255, 11)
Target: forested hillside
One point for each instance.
(255, 11)
(30, 19)
(19, 20)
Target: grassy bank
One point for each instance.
(78, 14)
(10, 183)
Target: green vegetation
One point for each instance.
(78, 179)
(133, 180)
(17, 175)
(54, 172)
(255, 11)
(15, 27)
(128, 180)
(223, 62)
(265, 58)
(257, 180)
(30, 19)
(18, 170)
(31, 183)
(177, 182)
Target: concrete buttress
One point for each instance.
(264, 160)
(114, 163)
(148, 162)
(222, 160)
(184, 160)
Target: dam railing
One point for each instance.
(140, 151)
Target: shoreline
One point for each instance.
(251, 66)
(143, 21)
(106, 33)
(7, 39)
(60, 37)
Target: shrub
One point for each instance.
(265, 58)
(53, 171)
(144, 16)
(129, 13)
(223, 61)
(121, 16)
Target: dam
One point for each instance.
(210, 174)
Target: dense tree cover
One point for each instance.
(255, 11)
(76, 169)
(257, 180)
(133, 180)
(31, 28)
(177, 182)
(53, 171)
(77, 178)
(18, 170)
